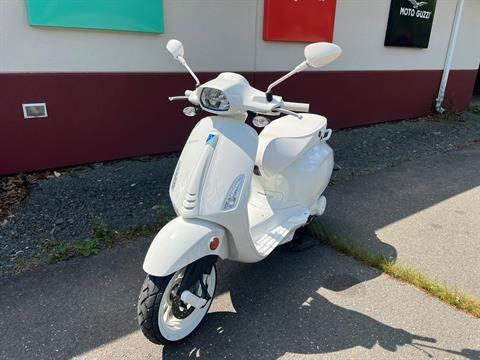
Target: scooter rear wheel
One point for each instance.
(156, 311)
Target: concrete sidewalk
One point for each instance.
(312, 304)
(424, 213)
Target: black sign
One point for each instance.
(410, 23)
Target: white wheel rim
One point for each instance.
(174, 329)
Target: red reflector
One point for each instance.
(214, 243)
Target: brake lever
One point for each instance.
(173, 98)
(288, 112)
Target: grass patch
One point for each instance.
(164, 215)
(100, 232)
(467, 144)
(340, 179)
(401, 272)
(367, 171)
(337, 179)
(446, 117)
(475, 109)
(102, 238)
(58, 251)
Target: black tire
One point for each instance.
(149, 300)
(148, 304)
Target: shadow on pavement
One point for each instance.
(74, 307)
(278, 310)
(365, 204)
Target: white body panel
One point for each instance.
(181, 242)
(284, 190)
(270, 207)
(295, 161)
(205, 173)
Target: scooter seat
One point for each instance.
(285, 139)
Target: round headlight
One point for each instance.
(214, 99)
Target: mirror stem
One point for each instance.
(184, 63)
(299, 68)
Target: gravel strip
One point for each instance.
(122, 193)
(125, 193)
(371, 148)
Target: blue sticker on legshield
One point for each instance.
(211, 139)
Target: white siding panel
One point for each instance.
(227, 35)
(467, 53)
(217, 35)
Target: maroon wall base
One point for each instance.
(104, 116)
(352, 98)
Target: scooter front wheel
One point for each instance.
(162, 317)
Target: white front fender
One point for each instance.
(181, 242)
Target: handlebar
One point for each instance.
(296, 107)
(286, 107)
(183, 97)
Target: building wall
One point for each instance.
(360, 30)
(106, 90)
(228, 42)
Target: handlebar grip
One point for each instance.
(296, 107)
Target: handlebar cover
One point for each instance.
(296, 107)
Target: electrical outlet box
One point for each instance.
(37, 110)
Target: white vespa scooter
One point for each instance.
(238, 195)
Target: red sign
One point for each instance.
(299, 20)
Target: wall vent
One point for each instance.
(37, 110)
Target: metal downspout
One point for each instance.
(448, 60)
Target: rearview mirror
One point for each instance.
(175, 48)
(321, 53)
(316, 55)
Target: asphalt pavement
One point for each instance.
(294, 305)
(424, 213)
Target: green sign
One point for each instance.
(410, 23)
(127, 15)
